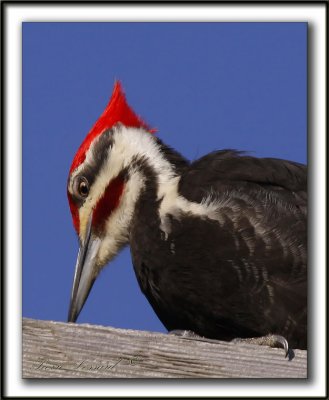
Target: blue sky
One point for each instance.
(204, 86)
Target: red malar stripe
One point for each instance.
(107, 203)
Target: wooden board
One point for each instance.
(61, 350)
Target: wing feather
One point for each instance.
(228, 170)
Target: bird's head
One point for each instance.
(103, 185)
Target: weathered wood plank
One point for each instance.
(61, 350)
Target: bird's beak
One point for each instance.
(85, 272)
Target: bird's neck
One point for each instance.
(138, 146)
(147, 160)
(150, 170)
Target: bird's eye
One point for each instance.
(82, 186)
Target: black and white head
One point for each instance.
(104, 183)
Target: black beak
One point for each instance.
(85, 273)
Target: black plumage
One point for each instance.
(241, 273)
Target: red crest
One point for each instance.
(116, 111)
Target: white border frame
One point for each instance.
(15, 14)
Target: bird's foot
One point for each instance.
(276, 341)
(183, 333)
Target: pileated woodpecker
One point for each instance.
(218, 245)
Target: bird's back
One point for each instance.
(228, 170)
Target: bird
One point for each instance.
(218, 244)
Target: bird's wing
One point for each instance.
(228, 170)
(261, 236)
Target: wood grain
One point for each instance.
(61, 350)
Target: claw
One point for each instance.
(269, 340)
(277, 339)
